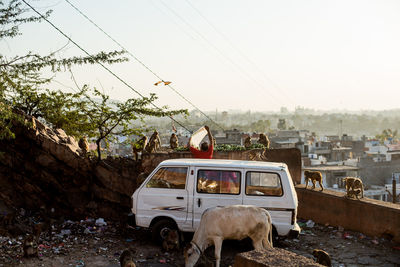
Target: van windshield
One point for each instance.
(169, 177)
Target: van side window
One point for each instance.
(169, 177)
(218, 182)
(263, 184)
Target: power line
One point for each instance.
(238, 50)
(138, 60)
(219, 51)
(98, 62)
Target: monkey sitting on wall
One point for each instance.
(322, 257)
(247, 142)
(314, 176)
(354, 186)
(84, 145)
(154, 143)
(263, 139)
(126, 259)
(139, 146)
(173, 141)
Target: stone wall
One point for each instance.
(368, 216)
(44, 167)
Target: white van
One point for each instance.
(178, 191)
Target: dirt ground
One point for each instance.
(84, 243)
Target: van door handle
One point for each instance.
(198, 202)
(179, 197)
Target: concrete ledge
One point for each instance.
(273, 257)
(368, 216)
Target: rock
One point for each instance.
(367, 260)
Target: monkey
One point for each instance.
(247, 142)
(30, 247)
(139, 146)
(322, 257)
(126, 259)
(84, 145)
(173, 141)
(354, 187)
(154, 143)
(171, 241)
(314, 176)
(37, 230)
(263, 139)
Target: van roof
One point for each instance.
(225, 163)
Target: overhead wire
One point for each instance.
(98, 62)
(274, 84)
(141, 63)
(227, 58)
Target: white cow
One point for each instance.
(231, 222)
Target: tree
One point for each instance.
(109, 119)
(21, 79)
(387, 134)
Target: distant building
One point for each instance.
(229, 137)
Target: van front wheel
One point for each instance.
(161, 228)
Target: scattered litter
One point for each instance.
(81, 263)
(374, 241)
(347, 236)
(162, 261)
(129, 240)
(340, 228)
(100, 222)
(310, 224)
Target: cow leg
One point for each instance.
(217, 251)
(306, 182)
(313, 184)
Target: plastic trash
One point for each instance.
(100, 222)
(310, 224)
(80, 263)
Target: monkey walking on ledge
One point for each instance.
(314, 176)
(354, 186)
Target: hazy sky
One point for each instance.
(254, 55)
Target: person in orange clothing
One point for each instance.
(206, 149)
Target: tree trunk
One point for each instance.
(98, 149)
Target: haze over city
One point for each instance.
(257, 55)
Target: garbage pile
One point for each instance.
(345, 247)
(49, 237)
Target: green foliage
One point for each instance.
(107, 119)
(387, 134)
(22, 83)
(181, 148)
(225, 147)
